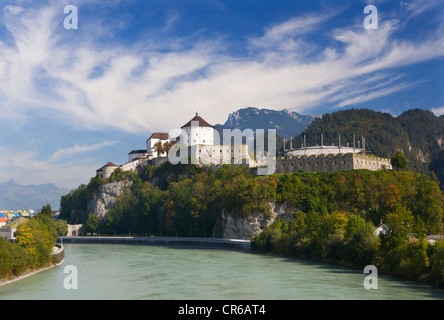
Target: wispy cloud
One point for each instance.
(69, 152)
(63, 167)
(438, 111)
(135, 89)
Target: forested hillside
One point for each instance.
(187, 200)
(334, 213)
(419, 134)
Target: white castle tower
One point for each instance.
(198, 132)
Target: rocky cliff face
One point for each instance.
(106, 196)
(232, 226)
(245, 227)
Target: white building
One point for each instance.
(106, 170)
(198, 139)
(137, 154)
(150, 143)
(198, 132)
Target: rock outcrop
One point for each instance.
(106, 196)
(234, 227)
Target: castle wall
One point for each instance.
(329, 163)
(157, 161)
(132, 166)
(217, 155)
(106, 172)
(363, 161)
(224, 154)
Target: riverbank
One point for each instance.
(57, 258)
(217, 243)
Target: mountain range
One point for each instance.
(14, 196)
(287, 123)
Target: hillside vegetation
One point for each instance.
(34, 241)
(334, 213)
(419, 134)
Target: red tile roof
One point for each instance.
(201, 122)
(137, 151)
(159, 135)
(109, 164)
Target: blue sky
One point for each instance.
(72, 100)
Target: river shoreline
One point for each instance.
(29, 273)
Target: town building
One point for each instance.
(156, 137)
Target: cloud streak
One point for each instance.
(77, 149)
(133, 88)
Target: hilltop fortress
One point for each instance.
(199, 143)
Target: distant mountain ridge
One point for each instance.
(14, 196)
(287, 123)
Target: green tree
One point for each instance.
(92, 224)
(159, 148)
(399, 224)
(362, 247)
(353, 223)
(436, 275)
(428, 204)
(399, 161)
(35, 236)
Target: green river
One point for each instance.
(111, 271)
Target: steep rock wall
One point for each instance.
(106, 196)
(234, 227)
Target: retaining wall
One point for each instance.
(166, 241)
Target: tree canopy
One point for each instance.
(399, 161)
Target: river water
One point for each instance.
(110, 271)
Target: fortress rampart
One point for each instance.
(330, 162)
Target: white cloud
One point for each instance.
(76, 149)
(438, 111)
(13, 9)
(138, 90)
(66, 167)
